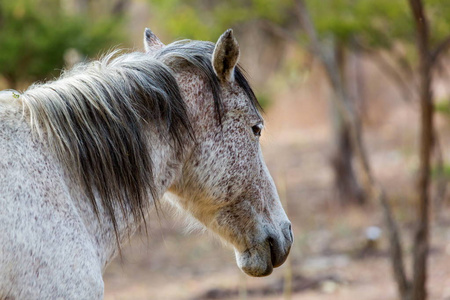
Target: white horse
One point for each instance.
(84, 157)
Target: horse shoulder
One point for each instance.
(45, 249)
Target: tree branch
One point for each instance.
(277, 30)
(396, 76)
(441, 185)
(439, 50)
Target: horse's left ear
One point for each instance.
(225, 56)
(151, 41)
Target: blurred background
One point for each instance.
(346, 86)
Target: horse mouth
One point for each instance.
(260, 261)
(255, 265)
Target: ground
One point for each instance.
(331, 258)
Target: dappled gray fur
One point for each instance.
(95, 118)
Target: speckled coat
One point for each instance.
(53, 245)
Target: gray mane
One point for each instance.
(94, 118)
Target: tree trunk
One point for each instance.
(347, 186)
(421, 239)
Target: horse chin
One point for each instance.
(256, 262)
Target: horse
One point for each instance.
(83, 159)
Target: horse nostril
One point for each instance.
(287, 231)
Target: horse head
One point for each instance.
(224, 182)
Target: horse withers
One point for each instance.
(84, 157)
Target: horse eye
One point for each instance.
(257, 129)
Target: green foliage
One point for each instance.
(439, 15)
(206, 20)
(264, 100)
(375, 24)
(34, 35)
(443, 107)
(444, 172)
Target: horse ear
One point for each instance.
(151, 41)
(225, 56)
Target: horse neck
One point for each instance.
(167, 166)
